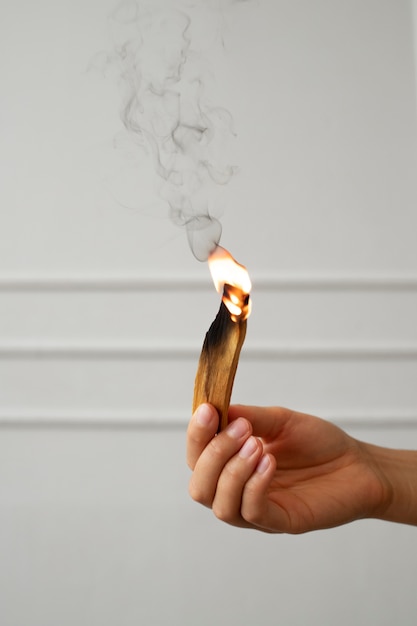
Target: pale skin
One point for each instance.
(280, 471)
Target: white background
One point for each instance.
(103, 310)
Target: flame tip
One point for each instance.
(231, 278)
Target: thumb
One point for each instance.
(267, 422)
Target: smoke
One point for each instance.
(161, 53)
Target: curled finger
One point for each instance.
(213, 459)
(228, 497)
(257, 509)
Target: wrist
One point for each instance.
(397, 472)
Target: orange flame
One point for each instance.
(233, 280)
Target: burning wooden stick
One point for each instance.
(221, 348)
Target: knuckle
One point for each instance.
(220, 450)
(252, 509)
(252, 516)
(235, 472)
(216, 449)
(196, 493)
(222, 513)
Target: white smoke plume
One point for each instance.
(160, 50)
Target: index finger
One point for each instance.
(201, 429)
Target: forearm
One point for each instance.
(398, 471)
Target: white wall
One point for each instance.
(103, 310)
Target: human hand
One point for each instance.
(277, 470)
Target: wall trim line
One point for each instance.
(89, 282)
(168, 419)
(154, 351)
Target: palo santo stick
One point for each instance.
(219, 358)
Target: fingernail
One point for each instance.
(263, 464)
(248, 448)
(237, 428)
(204, 415)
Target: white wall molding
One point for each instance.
(99, 418)
(128, 351)
(341, 282)
(344, 352)
(103, 283)
(183, 281)
(161, 418)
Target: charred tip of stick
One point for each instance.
(218, 329)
